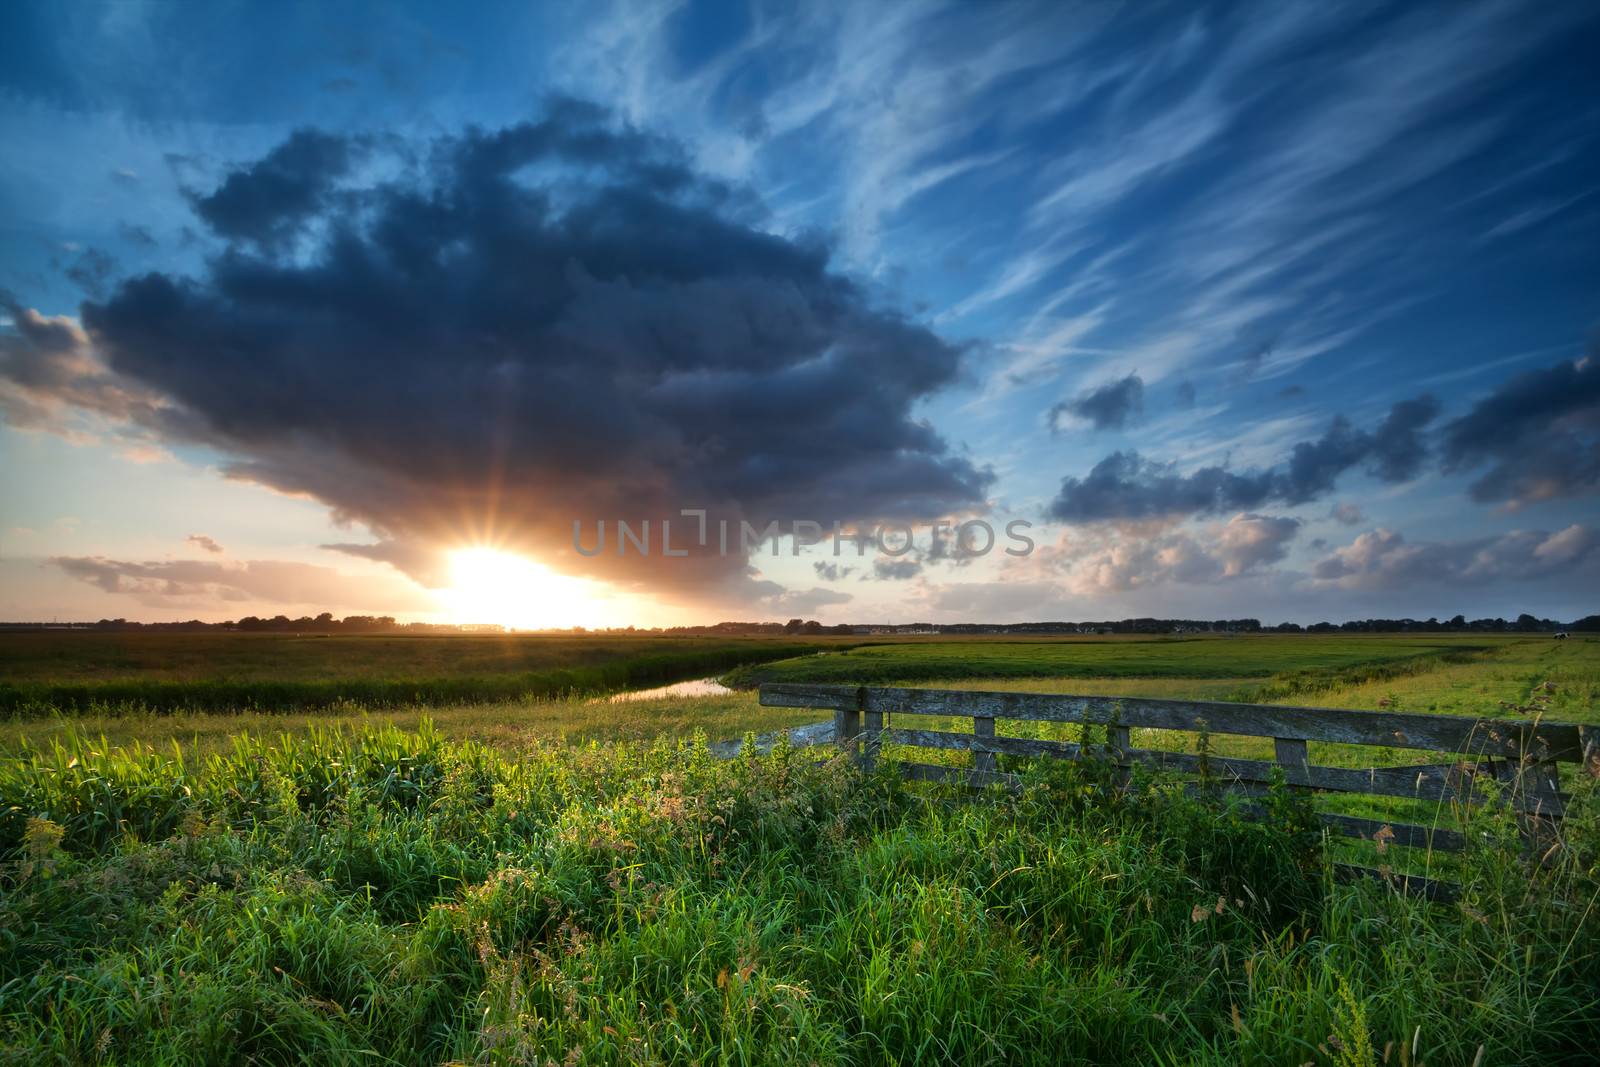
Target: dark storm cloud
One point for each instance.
(1538, 435)
(1107, 407)
(1126, 486)
(554, 321)
(267, 201)
(1398, 450)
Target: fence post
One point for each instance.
(983, 763)
(1291, 755)
(1119, 741)
(846, 727)
(871, 729)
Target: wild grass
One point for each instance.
(511, 726)
(380, 895)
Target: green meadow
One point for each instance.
(555, 878)
(1207, 656)
(51, 671)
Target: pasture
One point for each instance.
(560, 879)
(130, 672)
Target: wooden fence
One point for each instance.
(1523, 757)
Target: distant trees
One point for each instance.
(326, 623)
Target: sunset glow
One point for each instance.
(491, 586)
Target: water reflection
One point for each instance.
(699, 687)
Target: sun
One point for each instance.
(488, 585)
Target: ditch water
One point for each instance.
(698, 687)
(816, 733)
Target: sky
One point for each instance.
(1288, 311)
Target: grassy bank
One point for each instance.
(351, 896)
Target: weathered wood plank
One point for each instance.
(1408, 835)
(1434, 782)
(1400, 834)
(1440, 733)
(1410, 884)
(932, 772)
(1009, 746)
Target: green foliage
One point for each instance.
(377, 895)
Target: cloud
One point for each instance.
(167, 583)
(1125, 486)
(268, 201)
(49, 375)
(552, 321)
(1538, 435)
(1346, 514)
(831, 572)
(1383, 558)
(1122, 562)
(428, 565)
(204, 542)
(893, 570)
(1106, 407)
(1250, 541)
(807, 601)
(143, 452)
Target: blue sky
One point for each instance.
(1101, 267)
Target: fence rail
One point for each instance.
(1521, 757)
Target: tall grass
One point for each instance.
(381, 896)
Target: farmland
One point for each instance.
(557, 878)
(160, 672)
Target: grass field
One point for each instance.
(123, 672)
(1253, 656)
(463, 882)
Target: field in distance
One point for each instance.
(513, 692)
(73, 671)
(1200, 656)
